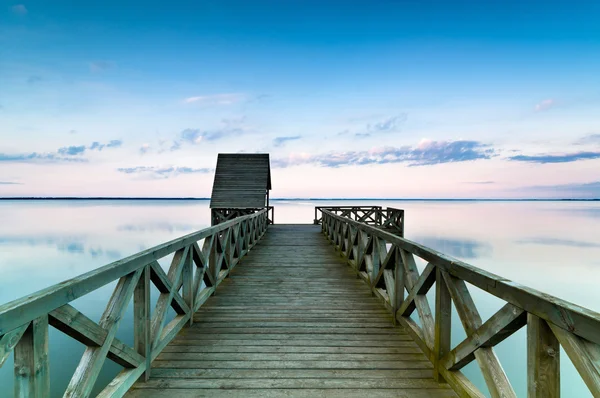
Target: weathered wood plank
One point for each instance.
(31, 362)
(543, 360)
(89, 367)
(498, 327)
(9, 341)
(585, 356)
(141, 320)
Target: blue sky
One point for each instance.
(351, 99)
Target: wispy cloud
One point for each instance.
(558, 158)
(71, 153)
(144, 148)
(228, 128)
(387, 125)
(10, 183)
(19, 9)
(72, 150)
(163, 172)
(545, 105)
(280, 141)
(480, 182)
(35, 157)
(426, 153)
(101, 66)
(588, 139)
(96, 146)
(216, 99)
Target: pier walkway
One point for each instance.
(292, 319)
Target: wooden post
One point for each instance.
(32, 373)
(188, 283)
(141, 320)
(543, 360)
(443, 317)
(398, 283)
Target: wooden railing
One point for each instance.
(387, 263)
(200, 262)
(390, 219)
(221, 215)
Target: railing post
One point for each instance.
(141, 319)
(187, 278)
(398, 283)
(443, 316)
(32, 373)
(543, 360)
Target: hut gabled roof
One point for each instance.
(241, 181)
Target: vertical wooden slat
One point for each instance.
(188, 282)
(399, 284)
(141, 320)
(543, 360)
(443, 313)
(31, 363)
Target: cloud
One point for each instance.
(34, 79)
(562, 158)
(588, 139)
(35, 157)
(65, 154)
(280, 141)
(96, 146)
(144, 148)
(215, 99)
(19, 9)
(388, 125)
(101, 66)
(163, 172)
(72, 150)
(196, 136)
(72, 131)
(10, 183)
(545, 105)
(480, 182)
(426, 153)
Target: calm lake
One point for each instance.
(551, 246)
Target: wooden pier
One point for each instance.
(333, 308)
(292, 320)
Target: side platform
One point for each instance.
(292, 319)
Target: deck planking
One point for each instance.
(292, 320)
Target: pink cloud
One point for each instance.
(545, 105)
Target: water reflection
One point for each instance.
(459, 248)
(160, 226)
(558, 242)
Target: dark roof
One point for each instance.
(241, 180)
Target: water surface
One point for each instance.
(551, 246)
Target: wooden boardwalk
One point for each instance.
(292, 320)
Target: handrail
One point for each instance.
(390, 219)
(386, 262)
(24, 322)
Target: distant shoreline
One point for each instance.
(312, 199)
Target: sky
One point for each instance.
(351, 99)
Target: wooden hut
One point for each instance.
(241, 186)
